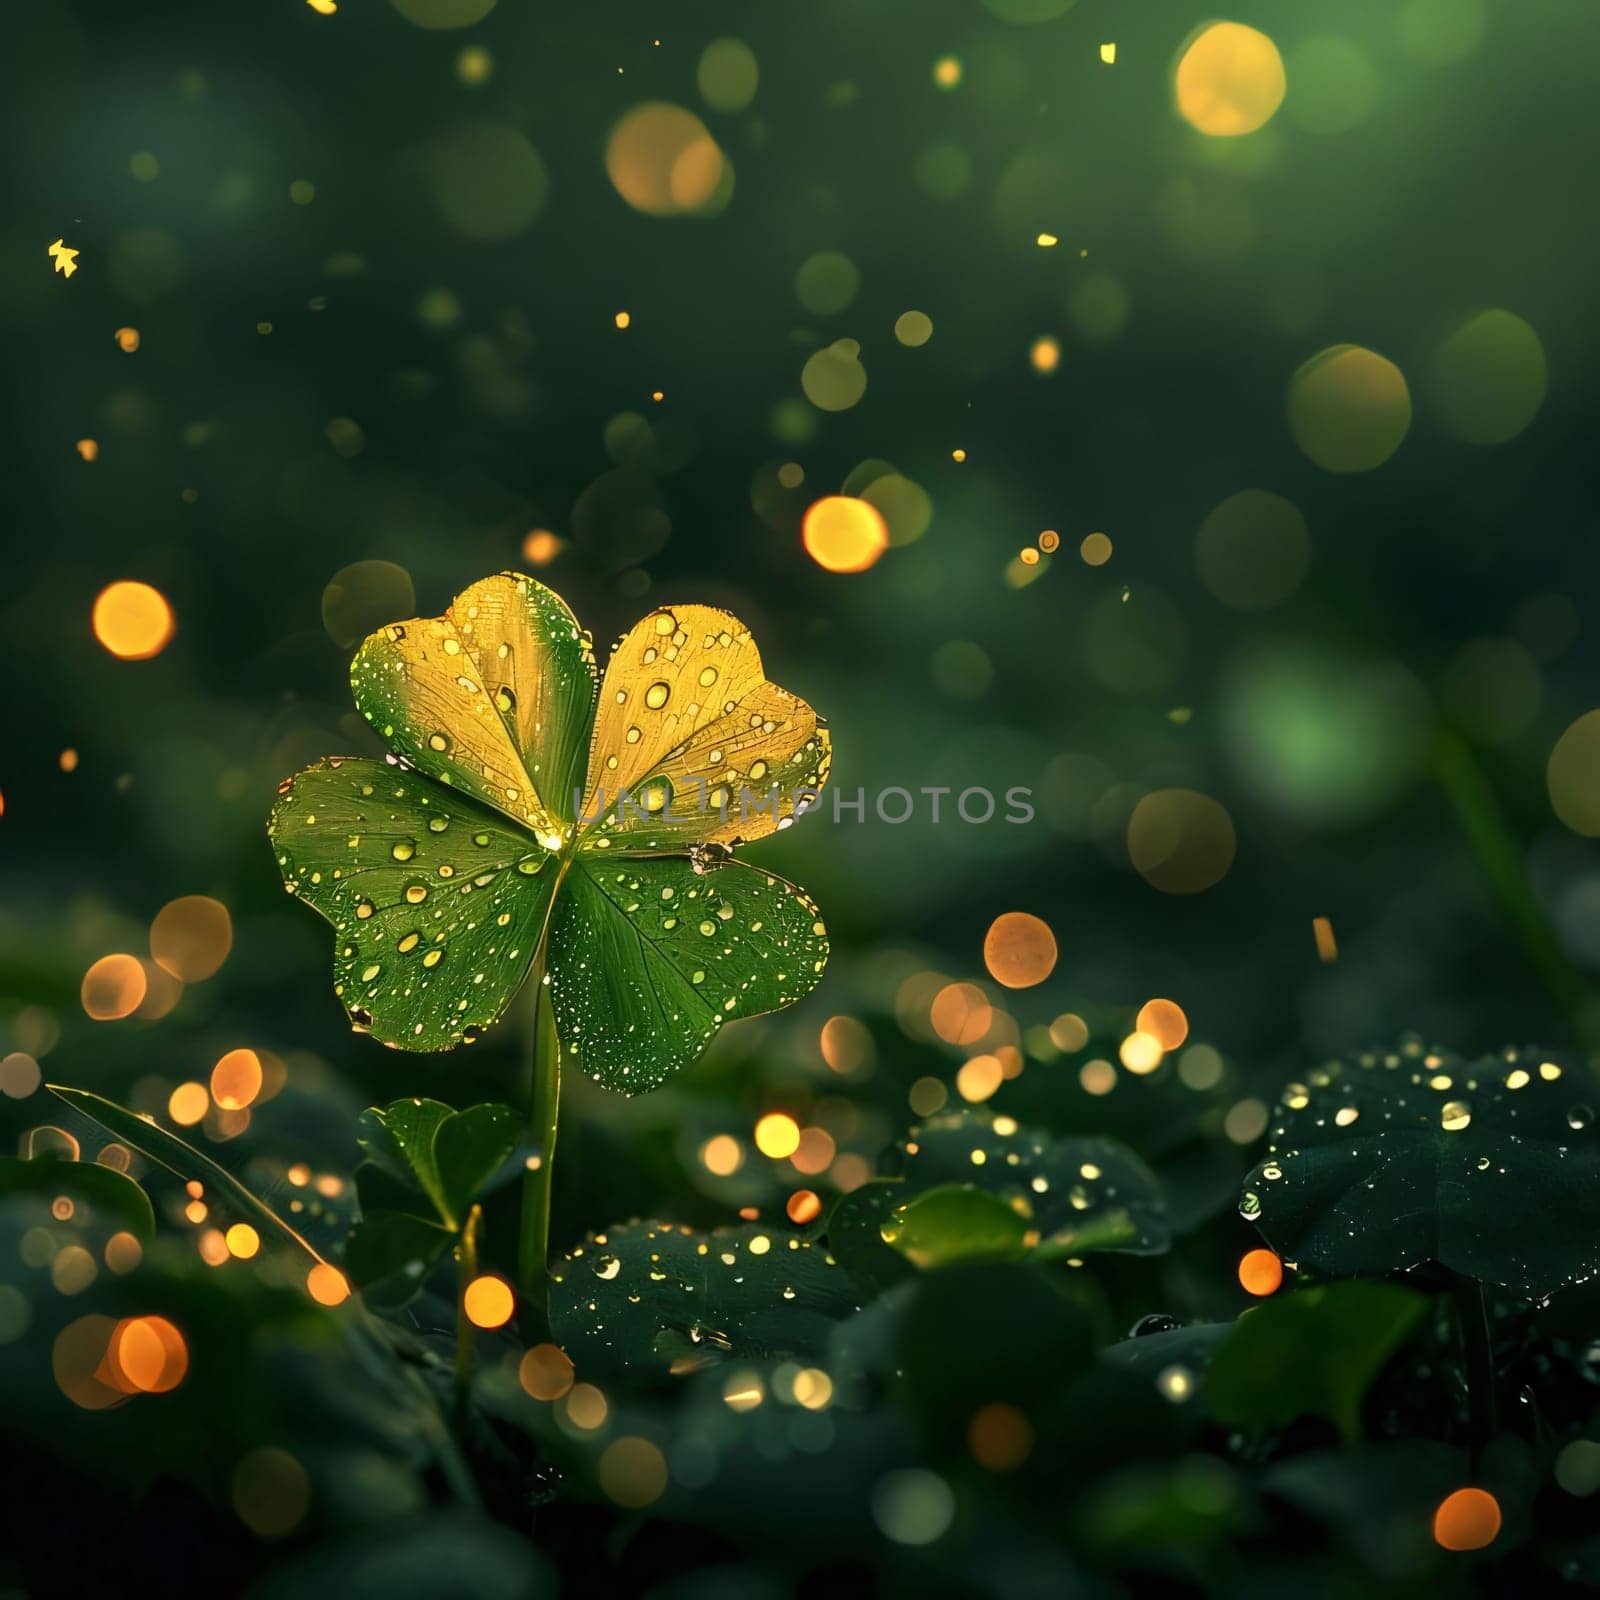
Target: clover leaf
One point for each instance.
(1396, 1158)
(531, 820)
(654, 1295)
(974, 1183)
(427, 1166)
(1314, 1353)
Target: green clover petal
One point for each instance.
(495, 698)
(437, 903)
(651, 955)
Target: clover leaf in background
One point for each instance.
(975, 1184)
(108, 1198)
(1402, 1157)
(648, 1294)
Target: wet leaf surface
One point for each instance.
(656, 1296)
(1396, 1158)
(1313, 1353)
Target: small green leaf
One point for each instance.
(399, 1138)
(1315, 1353)
(652, 1295)
(957, 1222)
(1395, 1158)
(388, 1254)
(183, 1161)
(448, 1158)
(473, 1150)
(855, 1236)
(111, 1197)
(650, 955)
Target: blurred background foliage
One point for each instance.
(1220, 397)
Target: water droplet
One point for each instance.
(433, 958)
(438, 741)
(505, 698)
(656, 695)
(708, 676)
(1272, 1173)
(404, 849)
(606, 1267)
(369, 973)
(438, 824)
(1345, 1115)
(1153, 1322)
(416, 893)
(409, 943)
(1250, 1205)
(365, 909)
(708, 927)
(1580, 1117)
(1455, 1115)
(529, 865)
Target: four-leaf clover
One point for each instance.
(532, 821)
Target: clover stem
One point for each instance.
(1477, 1353)
(1499, 858)
(466, 1333)
(544, 1104)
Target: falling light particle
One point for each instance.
(236, 1079)
(1097, 1077)
(243, 1241)
(632, 1472)
(843, 534)
(64, 257)
(958, 456)
(585, 1407)
(488, 1302)
(545, 1372)
(188, 1104)
(658, 394)
(1260, 1272)
(1028, 556)
(1322, 931)
(113, 987)
(777, 1135)
(1047, 241)
(132, 620)
(1045, 354)
(1095, 549)
(1000, 1437)
(1467, 1519)
(804, 1206)
(1108, 53)
(947, 71)
(68, 760)
(1049, 541)
(327, 1285)
(722, 1155)
(323, 8)
(541, 547)
(1019, 950)
(127, 340)
(88, 449)
(1165, 1020)
(1141, 1052)
(622, 319)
